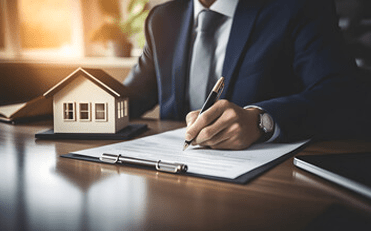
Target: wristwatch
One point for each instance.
(266, 126)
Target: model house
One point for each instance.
(89, 101)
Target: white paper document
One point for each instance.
(168, 147)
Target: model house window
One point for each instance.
(126, 108)
(122, 109)
(84, 111)
(119, 110)
(69, 111)
(100, 112)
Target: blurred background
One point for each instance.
(355, 22)
(43, 41)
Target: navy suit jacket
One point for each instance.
(286, 56)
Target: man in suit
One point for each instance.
(285, 67)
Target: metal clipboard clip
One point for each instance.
(158, 165)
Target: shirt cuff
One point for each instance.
(277, 130)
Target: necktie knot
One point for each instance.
(209, 21)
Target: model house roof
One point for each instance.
(97, 76)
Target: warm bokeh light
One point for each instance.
(45, 23)
(2, 31)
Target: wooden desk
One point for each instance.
(41, 191)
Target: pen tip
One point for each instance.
(185, 146)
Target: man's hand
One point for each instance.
(224, 126)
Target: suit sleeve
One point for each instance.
(141, 81)
(329, 104)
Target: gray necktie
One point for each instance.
(203, 63)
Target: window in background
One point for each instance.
(53, 29)
(49, 28)
(45, 23)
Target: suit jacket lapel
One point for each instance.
(243, 23)
(181, 60)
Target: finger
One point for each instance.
(228, 144)
(215, 131)
(236, 137)
(224, 134)
(233, 143)
(226, 120)
(191, 117)
(214, 140)
(204, 120)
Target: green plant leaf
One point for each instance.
(140, 4)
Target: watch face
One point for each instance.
(267, 122)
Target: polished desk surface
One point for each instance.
(41, 191)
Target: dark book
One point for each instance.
(39, 107)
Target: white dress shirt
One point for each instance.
(227, 8)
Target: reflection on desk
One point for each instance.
(41, 191)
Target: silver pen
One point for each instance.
(158, 165)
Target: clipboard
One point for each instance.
(246, 175)
(243, 179)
